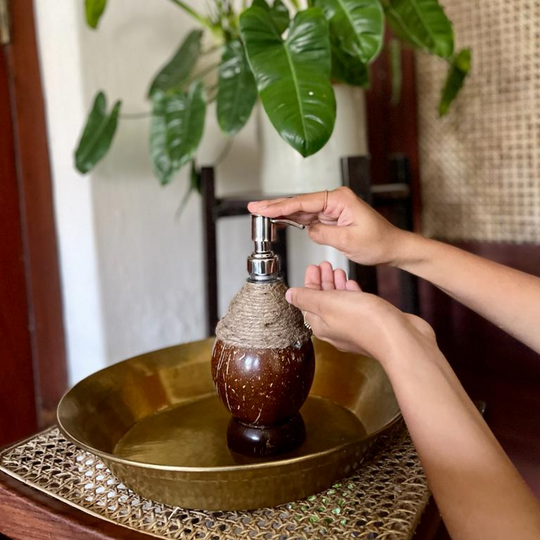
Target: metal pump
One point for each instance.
(263, 263)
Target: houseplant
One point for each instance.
(286, 55)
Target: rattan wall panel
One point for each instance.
(480, 165)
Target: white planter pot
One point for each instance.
(284, 170)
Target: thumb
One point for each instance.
(305, 299)
(328, 235)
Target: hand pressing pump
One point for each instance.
(263, 361)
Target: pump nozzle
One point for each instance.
(263, 264)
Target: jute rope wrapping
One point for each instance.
(260, 317)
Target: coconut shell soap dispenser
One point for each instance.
(263, 360)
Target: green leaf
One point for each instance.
(263, 4)
(97, 135)
(195, 178)
(176, 129)
(459, 69)
(293, 76)
(237, 91)
(94, 10)
(178, 69)
(348, 69)
(358, 26)
(280, 15)
(421, 23)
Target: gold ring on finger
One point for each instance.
(306, 324)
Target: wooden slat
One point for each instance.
(394, 128)
(210, 247)
(17, 400)
(36, 203)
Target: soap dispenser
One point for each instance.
(263, 360)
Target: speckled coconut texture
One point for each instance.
(260, 317)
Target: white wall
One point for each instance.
(132, 273)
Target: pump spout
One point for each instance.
(263, 263)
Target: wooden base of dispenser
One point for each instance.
(257, 441)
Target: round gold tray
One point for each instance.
(156, 422)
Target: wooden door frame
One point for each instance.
(393, 129)
(37, 212)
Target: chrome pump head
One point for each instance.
(263, 263)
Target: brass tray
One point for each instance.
(156, 422)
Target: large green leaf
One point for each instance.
(176, 129)
(459, 69)
(280, 14)
(237, 91)
(97, 135)
(293, 76)
(358, 25)
(178, 69)
(94, 10)
(348, 69)
(422, 23)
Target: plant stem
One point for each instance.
(296, 4)
(396, 71)
(183, 202)
(224, 152)
(212, 88)
(211, 50)
(203, 72)
(190, 11)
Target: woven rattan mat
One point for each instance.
(480, 165)
(384, 500)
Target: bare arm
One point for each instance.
(505, 296)
(477, 489)
(508, 298)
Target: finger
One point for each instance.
(254, 205)
(312, 203)
(340, 279)
(305, 299)
(328, 235)
(327, 276)
(351, 285)
(313, 277)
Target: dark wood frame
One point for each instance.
(36, 203)
(394, 129)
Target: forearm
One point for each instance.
(508, 298)
(477, 489)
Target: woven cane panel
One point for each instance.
(382, 502)
(480, 164)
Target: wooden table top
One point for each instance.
(27, 514)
